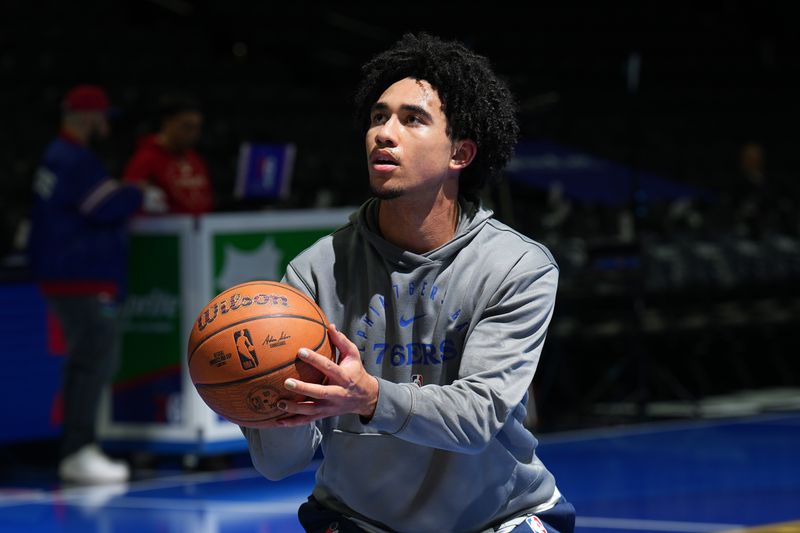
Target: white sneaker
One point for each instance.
(90, 465)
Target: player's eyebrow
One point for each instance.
(411, 108)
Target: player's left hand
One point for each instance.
(349, 388)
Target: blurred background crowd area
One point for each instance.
(658, 158)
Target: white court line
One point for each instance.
(217, 506)
(72, 493)
(77, 493)
(654, 427)
(178, 480)
(652, 525)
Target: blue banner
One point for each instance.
(265, 170)
(590, 179)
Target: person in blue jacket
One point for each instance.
(77, 253)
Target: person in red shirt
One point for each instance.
(167, 159)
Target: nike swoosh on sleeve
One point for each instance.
(405, 322)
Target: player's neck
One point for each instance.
(416, 226)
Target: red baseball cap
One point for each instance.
(86, 98)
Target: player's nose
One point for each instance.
(387, 132)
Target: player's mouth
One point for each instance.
(383, 161)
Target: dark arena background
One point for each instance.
(658, 161)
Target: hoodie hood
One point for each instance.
(472, 218)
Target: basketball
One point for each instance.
(244, 344)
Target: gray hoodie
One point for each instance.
(453, 336)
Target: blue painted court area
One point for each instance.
(702, 476)
(684, 477)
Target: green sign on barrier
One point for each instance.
(261, 255)
(152, 313)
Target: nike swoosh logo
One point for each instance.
(405, 322)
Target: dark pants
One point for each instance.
(91, 326)
(318, 519)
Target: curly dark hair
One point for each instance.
(477, 104)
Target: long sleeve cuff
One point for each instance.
(394, 408)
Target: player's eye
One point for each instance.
(377, 118)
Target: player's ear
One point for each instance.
(464, 151)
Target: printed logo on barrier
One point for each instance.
(246, 349)
(149, 311)
(239, 266)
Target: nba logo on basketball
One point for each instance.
(417, 380)
(246, 349)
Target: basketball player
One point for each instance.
(442, 313)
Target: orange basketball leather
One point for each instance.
(244, 344)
